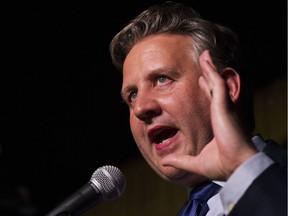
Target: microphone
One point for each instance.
(106, 183)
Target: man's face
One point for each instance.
(169, 113)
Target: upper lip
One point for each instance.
(161, 132)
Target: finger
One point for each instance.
(208, 68)
(183, 162)
(210, 74)
(217, 85)
(203, 83)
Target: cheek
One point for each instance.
(194, 115)
(132, 125)
(192, 102)
(201, 123)
(136, 129)
(139, 137)
(201, 110)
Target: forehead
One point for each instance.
(157, 48)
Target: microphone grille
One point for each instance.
(109, 181)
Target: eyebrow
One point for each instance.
(128, 88)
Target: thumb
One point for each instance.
(184, 162)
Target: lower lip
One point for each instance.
(167, 144)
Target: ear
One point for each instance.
(233, 82)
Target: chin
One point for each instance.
(170, 173)
(181, 177)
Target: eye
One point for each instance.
(162, 79)
(132, 95)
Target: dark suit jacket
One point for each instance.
(267, 196)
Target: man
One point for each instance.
(183, 82)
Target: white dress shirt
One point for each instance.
(234, 188)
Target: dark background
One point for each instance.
(61, 110)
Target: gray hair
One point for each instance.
(175, 18)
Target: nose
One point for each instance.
(146, 107)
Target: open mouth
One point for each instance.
(160, 136)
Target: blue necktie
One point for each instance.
(197, 203)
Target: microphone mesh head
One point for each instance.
(109, 181)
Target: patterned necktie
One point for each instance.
(197, 203)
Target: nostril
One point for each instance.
(147, 111)
(146, 116)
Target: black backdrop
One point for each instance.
(61, 111)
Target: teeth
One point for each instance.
(164, 141)
(164, 135)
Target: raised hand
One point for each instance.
(230, 146)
